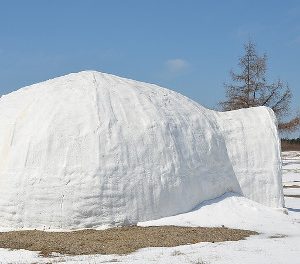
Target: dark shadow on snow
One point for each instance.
(293, 209)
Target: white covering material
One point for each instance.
(92, 149)
(253, 147)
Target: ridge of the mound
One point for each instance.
(76, 76)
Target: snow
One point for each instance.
(278, 243)
(291, 170)
(253, 147)
(231, 211)
(291, 191)
(96, 150)
(293, 205)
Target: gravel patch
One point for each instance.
(122, 240)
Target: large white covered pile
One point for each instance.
(92, 149)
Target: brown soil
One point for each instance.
(121, 240)
(285, 146)
(292, 195)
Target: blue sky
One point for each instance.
(188, 46)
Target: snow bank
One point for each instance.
(92, 149)
(253, 147)
(233, 211)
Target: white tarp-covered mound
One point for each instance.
(92, 149)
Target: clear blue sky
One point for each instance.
(188, 46)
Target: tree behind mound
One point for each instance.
(251, 89)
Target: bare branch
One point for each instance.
(250, 88)
(291, 126)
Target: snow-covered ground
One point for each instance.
(279, 241)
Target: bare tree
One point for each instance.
(251, 89)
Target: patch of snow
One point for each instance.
(233, 211)
(291, 191)
(20, 256)
(293, 206)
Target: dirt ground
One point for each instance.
(121, 240)
(292, 195)
(291, 187)
(285, 146)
